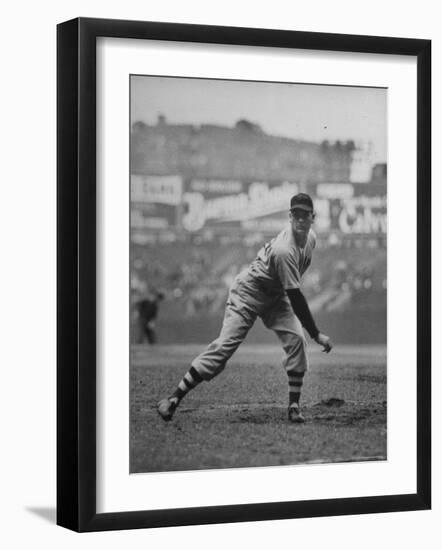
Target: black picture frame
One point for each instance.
(77, 287)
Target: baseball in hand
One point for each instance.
(324, 341)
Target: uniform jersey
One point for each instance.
(259, 291)
(281, 263)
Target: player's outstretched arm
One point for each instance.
(302, 311)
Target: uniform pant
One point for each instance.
(247, 301)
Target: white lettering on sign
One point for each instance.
(261, 200)
(156, 189)
(363, 215)
(216, 186)
(195, 218)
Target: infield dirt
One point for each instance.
(239, 419)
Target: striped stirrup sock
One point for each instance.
(189, 381)
(295, 386)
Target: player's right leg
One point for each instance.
(238, 319)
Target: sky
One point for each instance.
(299, 111)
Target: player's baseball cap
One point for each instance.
(303, 201)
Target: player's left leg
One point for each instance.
(281, 319)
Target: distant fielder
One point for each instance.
(270, 289)
(147, 309)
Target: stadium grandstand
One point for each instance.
(205, 198)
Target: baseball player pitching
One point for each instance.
(270, 289)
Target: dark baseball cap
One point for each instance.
(303, 201)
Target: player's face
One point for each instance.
(301, 220)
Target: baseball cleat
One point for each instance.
(166, 408)
(295, 415)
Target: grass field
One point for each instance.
(239, 419)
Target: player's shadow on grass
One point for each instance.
(48, 514)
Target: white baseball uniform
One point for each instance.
(259, 291)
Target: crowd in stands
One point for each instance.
(195, 280)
